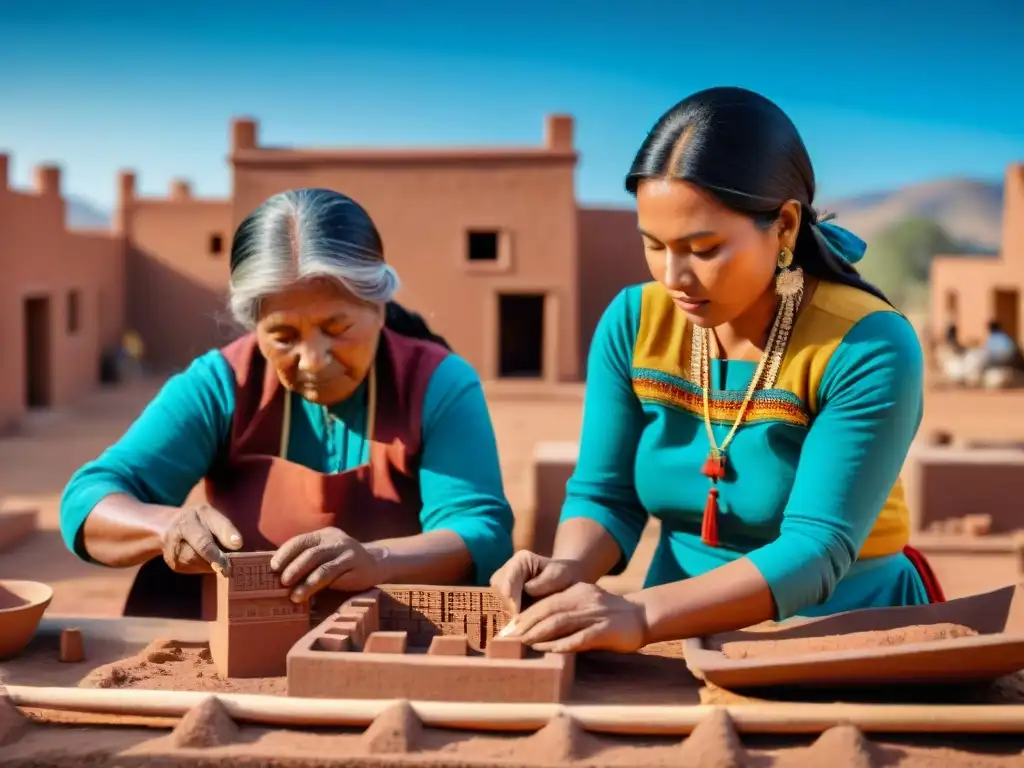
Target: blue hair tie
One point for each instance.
(842, 242)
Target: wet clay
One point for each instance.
(172, 666)
(855, 641)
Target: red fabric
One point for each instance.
(931, 583)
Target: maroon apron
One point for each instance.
(271, 499)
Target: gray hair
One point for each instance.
(303, 234)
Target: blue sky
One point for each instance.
(885, 93)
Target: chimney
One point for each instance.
(47, 180)
(1013, 215)
(5, 164)
(125, 201)
(558, 133)
(243, 134)
(125, 188)
(180, 190)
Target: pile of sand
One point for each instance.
(394, 731)
(714, 743)
(843, 745)
(207, 724)
(13, 724)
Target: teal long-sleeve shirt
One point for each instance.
(813, 469)
(177, 438)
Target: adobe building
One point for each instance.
(972, 291)
(61, 298)
(490, 244)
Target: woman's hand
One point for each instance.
(533, 574)
(327, 558)
(195, 540)
(582, 618)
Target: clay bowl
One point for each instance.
(22, 605)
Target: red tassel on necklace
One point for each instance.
(714, 470)
(714, 467)
(709, 525)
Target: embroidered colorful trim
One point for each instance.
(674, 392)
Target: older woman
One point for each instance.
(758, 398)
(339, 432)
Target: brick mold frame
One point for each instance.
(424, 643)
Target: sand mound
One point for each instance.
(842, 745)
(13, 724)
(714, 743)
(561, 740)
(207, 724)
(395, 730)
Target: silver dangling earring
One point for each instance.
(789, 285)
(789, 282)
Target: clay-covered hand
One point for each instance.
(582, 618)
(196, 540)
(534, 574)
(329, 557)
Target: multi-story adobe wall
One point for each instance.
(611, 257)
(488, 243)
(485, 240)
(61, 298)
(972, 291)
(177, 270)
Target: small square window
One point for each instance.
(482, 245)
(216, 245)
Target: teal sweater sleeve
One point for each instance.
(175, 440)
(602, 486)
(872, 400)
(165, 453)
(460, 474)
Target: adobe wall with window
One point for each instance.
(61, 295)
(485, 240)
(974, 290)
(177, 267)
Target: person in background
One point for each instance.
(758, 397)
(1001, 351)
(339, 432)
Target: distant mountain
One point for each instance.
(970, 211)
(83, 214)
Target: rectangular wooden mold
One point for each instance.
(424, 643)
(996, 650)
(257, 623)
